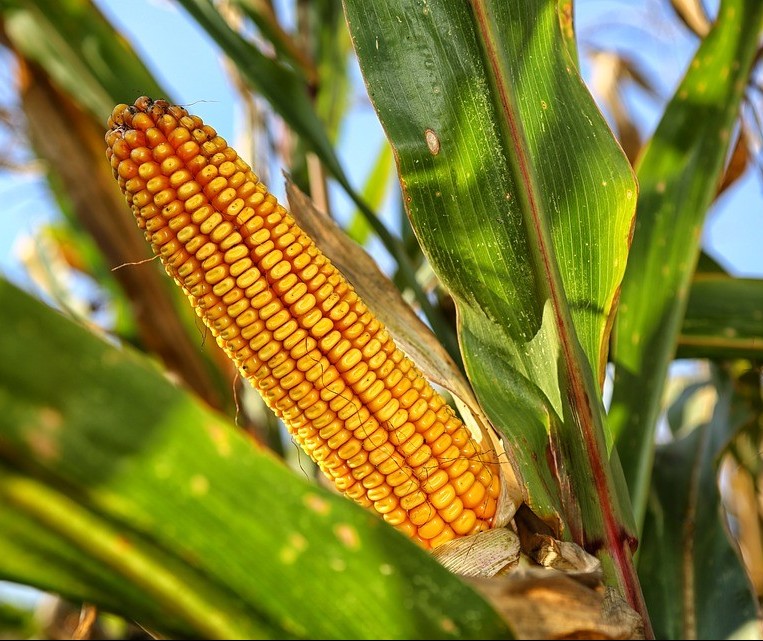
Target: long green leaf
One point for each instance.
(138, 498)
(724, 318)
(333, 49)
(678, 175)
(18, 623)
(262, 14)
(694, 581)
(519, 195)
(50, 541)
(375, 190)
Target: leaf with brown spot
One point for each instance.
(525, 216)
(113, 519)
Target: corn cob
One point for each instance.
(296, 329)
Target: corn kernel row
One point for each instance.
(297, 330)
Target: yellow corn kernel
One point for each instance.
(296, 329)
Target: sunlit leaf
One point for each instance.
(523, 203)
(119, 489)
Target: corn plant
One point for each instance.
(531, 261)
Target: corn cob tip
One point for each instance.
(122, 114)
(297, 330)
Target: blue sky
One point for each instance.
(188, 64)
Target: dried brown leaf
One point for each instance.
(547, 604)
(737, 165)
(692, 14)
(410, 332)
(483, 554)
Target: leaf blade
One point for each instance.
(678, 174)
(198, 499)
(724, 318)
(459, 97)
(694, 581)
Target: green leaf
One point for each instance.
(583, 180)
(332, 55)
(724, 318)
(262, 14)
(695, 584)
(706, 264)
(518, 194)
(278, 83)
(18, 623)
(374, 192)
(77, 46)
(120, 489)
(51, 542)
(678, 175)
